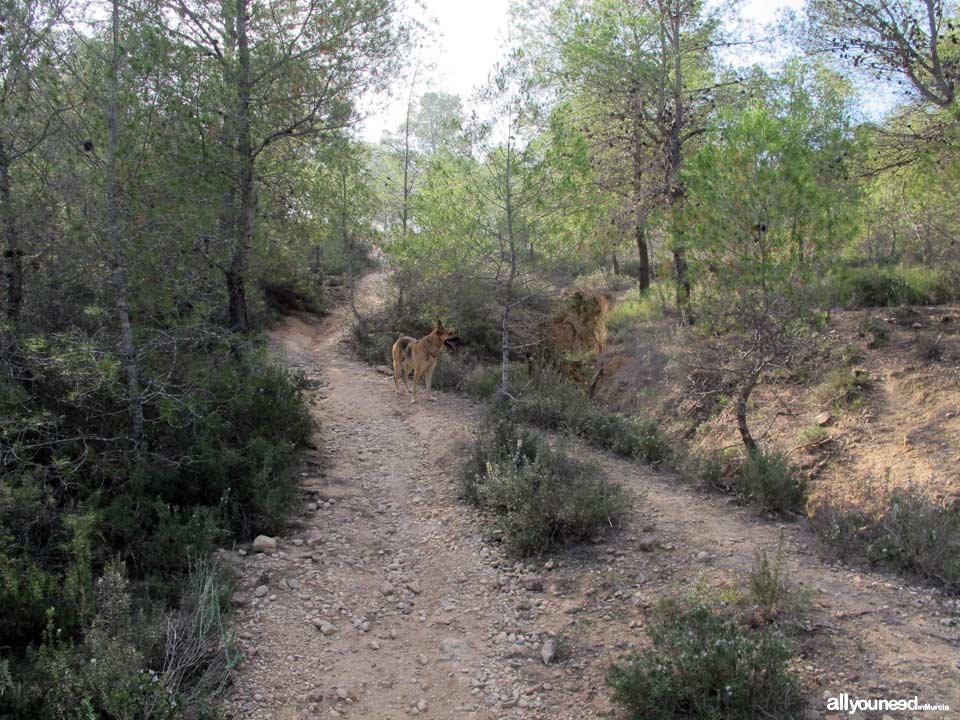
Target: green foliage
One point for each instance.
(814, 435)
(635, 307)
(890, 286)
(497, 440)
(909, 532)
(549, 401)
(216, 462)
(539, 499)
(132, 663)
(703, 664)
(767, 587)
(769, 480)
(843, 389)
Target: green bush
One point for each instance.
(843, 389)
(886, 286)
(910, 533)
(551, 402)
(216, 460)
(769, 480)
(702, 664)
(497, 440)
(133, 663)
(538, 499)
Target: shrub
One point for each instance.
(553, 403)
(880, 286)
(133, 663)
(769, 480)
(910, 532)
(814, 435)
(538, 499)
(770, 596)
(498, 440)
(843, 389)
(702, 664)
(482, 381)
(709, 468)
(223, 426)
(878, 331)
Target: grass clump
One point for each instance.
(813, 435)
(634, 308)
(843, 389)
(877, 330)
(909, 532)
(769, 480)
(703, 663)
(770, 596)
(538, 498)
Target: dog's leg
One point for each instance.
(396, 378)
(429, 382)
(416, 379)
(406, 379)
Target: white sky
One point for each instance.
(469, 37)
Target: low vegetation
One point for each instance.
(843, 389)
(105, 543)
(703, 662)
(770, 597)
(906, 530)
(548, 401)
(768, 479)
(537, 498)
(892, 285)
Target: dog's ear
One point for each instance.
(439, 326)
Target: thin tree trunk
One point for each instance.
(127, 347)
(640, 229)
(237, 271)
(12, 253)
(640, 217)
(349, 247)
(508, 290)
(505, 349)
(616, 263)
(742, 398)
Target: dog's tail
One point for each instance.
(401, 348)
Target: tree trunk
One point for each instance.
(504, 350)
(12, 252)
(640, 229)
(127, 347)
(683, 282)
(640, 216)
(237, 272)
(797, 240)
(616, 264)
(508, 289)
(742, 398)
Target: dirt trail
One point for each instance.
(385, 601)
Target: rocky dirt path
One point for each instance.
(385, 601)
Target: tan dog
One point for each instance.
(420, 356)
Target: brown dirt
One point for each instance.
(458, 630)
(905, 430)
